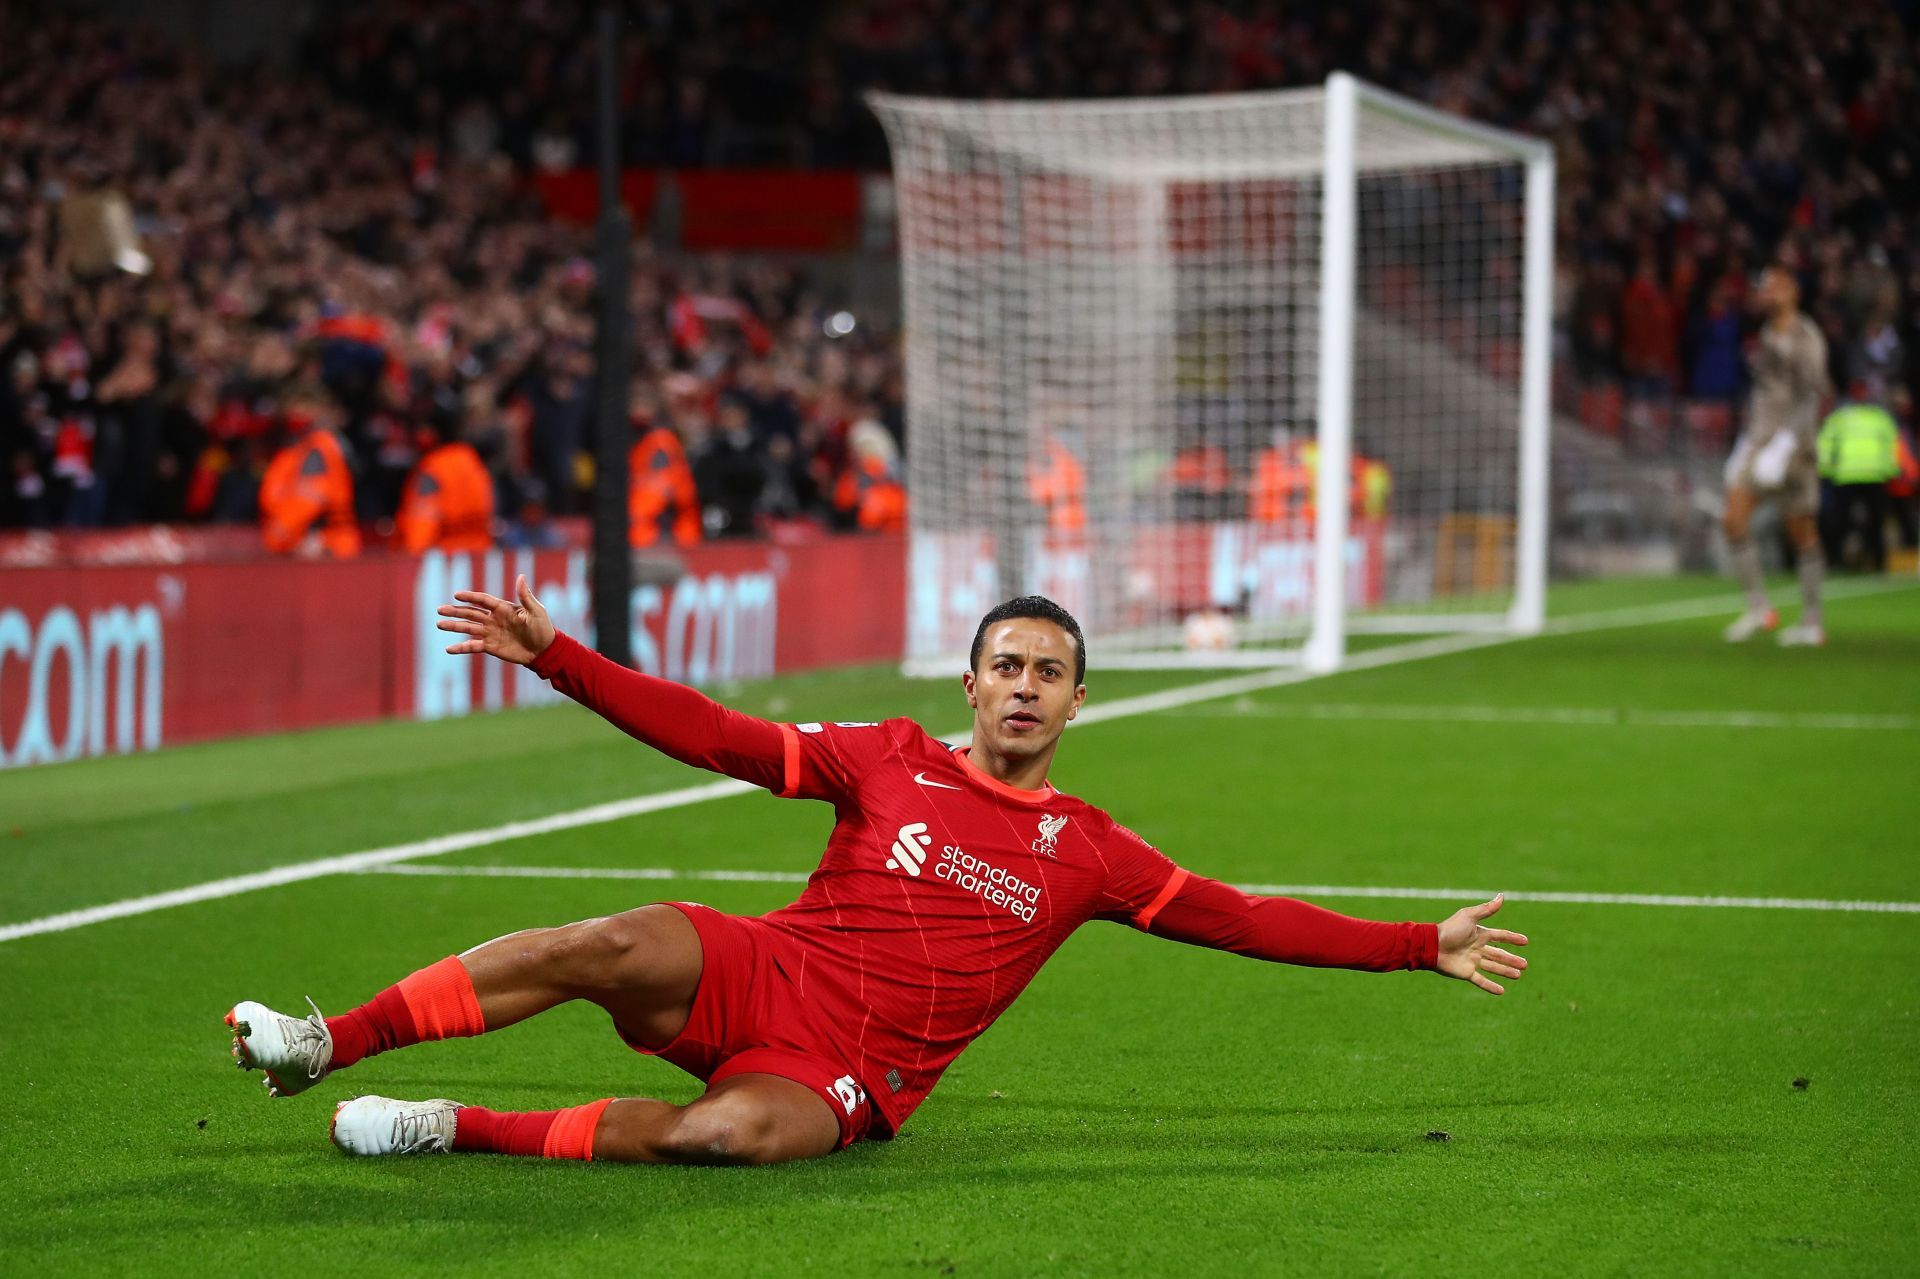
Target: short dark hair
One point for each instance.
(1042, 609)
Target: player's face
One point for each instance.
(1023, 692)
(1778, 290)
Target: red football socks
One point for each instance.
(435, 1003)
(551, 1134)
(375, 1026)
(438, 1002)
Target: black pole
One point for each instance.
(612, 433)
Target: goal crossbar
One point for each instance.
(1105, 137)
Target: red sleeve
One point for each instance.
(670, 717)
(1146, 889)
(829, 761)
(1140, 878)
(1205, 912)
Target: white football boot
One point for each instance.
(1754, 620)
(295, 1052)
(383, 1126)
(1803, 636)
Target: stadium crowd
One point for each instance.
(301, 263)
(353, 242)
(1688, 157)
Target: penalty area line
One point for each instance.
(1265, 890)
(371, 859)
(1148, 703)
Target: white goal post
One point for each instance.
(1230, 377)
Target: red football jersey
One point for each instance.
(942, 890)
(941, 893)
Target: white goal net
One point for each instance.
(1228, 377)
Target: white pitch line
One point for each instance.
(1595, 716)
(593, 872)
(1239, 685)
(1443, 645)
(1639, 615)
(372, 858)
(1591, 899)
(1268, 890)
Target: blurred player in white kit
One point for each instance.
(1775, 459)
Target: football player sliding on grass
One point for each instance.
(951, 876)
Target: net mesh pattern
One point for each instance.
(1112, 324)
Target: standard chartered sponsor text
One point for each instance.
(990, 883)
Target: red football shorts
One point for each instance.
(748, 1019)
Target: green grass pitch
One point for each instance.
(1146, 1108)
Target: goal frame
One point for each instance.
(1341, 165)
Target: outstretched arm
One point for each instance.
(1205, 912)
(669, 717)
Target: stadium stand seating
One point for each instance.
(363, 225)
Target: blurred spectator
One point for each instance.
(868, 495)
(662, 505)
(1716, 335)
(533, 530)
(1201, 479)
(448, 502)
(1648, 336)
(130, 422)
(1281, 489)
(1903, 491)
(730, 471)
(1057, 483)
(1859, 456)
(1876, 358)
(560, 396)
(306, 495)
(1596, 325)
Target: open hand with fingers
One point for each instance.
(1468, 950)
(512, 632)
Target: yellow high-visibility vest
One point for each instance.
(1859, 445)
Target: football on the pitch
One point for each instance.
(1209, 632)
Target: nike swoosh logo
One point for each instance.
(922, 779)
